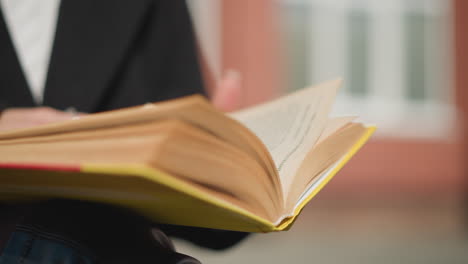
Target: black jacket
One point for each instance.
(107, 55)
(110, 54)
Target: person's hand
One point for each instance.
(14, 118)
(227, 95)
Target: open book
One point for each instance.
(183, 162)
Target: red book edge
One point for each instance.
(45, 167)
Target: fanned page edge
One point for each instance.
(326, 91)
(286, 221)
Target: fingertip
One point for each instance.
(228, 93)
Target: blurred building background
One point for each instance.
(403, 197)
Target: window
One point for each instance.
(394, 56)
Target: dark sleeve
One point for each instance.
(162, 61)
(205, 237)
(183, 67)
(172, 46)
(3, 106)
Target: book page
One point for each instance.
(322, 156)
(290, 126)
(334, 124)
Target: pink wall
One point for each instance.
(250, 45)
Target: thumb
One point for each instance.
(228, 93)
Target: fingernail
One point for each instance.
(232, 74)
(71, 110)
